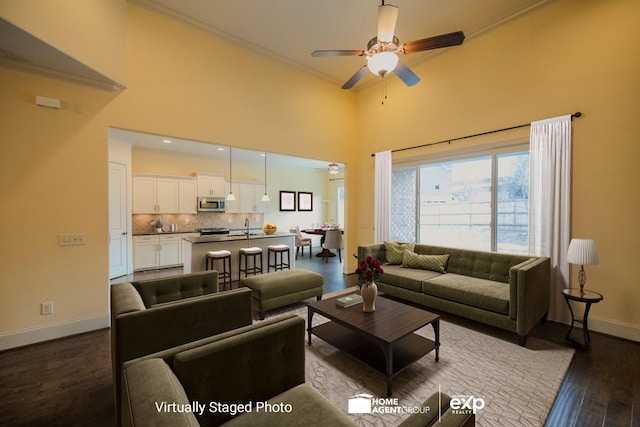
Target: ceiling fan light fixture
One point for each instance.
(333, 169)
(387, 17)
(382, 63)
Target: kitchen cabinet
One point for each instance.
(211, 185)
(162, 194)
(157, 251)
(187, 199)
(248, 198)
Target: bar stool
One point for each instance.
(275, 250)
(225, 257)
(245, 253)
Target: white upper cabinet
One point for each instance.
(210, 185)
(187, 199)
(161, 194)
(248, 198)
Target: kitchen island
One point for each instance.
(195, 248)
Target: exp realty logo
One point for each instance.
(367, 404)
(461, 404)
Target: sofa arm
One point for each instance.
(150, 383)
(532, 293)
(376, 250)
(125, 299)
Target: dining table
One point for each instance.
(321, 232)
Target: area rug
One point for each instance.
(507, 384)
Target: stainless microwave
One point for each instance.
(211, 204)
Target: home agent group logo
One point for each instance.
(367, 404)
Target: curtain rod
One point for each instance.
(448, 141)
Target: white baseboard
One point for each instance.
(612, 327)
(615, 328)
(53, 331)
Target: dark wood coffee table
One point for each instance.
(383, 339)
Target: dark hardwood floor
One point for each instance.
(67, 382)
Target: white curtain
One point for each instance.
(550, 203)
(382, 198)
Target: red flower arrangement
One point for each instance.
(368, 271)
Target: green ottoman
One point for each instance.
(280, 288)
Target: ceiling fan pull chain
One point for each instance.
(384, 90)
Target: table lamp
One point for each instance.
(582, 252)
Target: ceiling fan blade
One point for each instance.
(318, 53)
(444, 40)
(387, 17)
(406, 75)
(355, 78)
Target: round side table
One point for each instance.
(587, 297)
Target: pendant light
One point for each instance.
(265, 197)
(230, 196)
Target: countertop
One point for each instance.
(154, 233)
(232, 237)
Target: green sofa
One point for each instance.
(503, 290)
(153, 315)
(251, 376)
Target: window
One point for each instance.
(476, 202)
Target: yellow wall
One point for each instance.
(563, 57)
(54, 162)
(91, 32)
(566, 56)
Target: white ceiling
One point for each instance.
(289, 30)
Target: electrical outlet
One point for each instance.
(187, 221)
(46, 308)
(72, 239)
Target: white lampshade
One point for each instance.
(382, 63)
(582, 252)
(334, 169)
(231, 197)
(265, 198)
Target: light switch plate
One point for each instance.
(72, 239)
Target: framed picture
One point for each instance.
(287, 200)
(305, 201)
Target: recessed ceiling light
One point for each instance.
(166, 141)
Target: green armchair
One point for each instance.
(234, 378)
(153, 315)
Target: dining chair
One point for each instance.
(300, 241)
(332, 240)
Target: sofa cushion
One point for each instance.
(481, 293)
(396, 250)
(407, 278)
(425, 262)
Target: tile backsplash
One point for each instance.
(141, 223)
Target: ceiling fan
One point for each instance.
(382, 51)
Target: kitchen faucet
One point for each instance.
(246, 224)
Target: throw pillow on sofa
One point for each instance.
(426, 262)
(396, 250)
